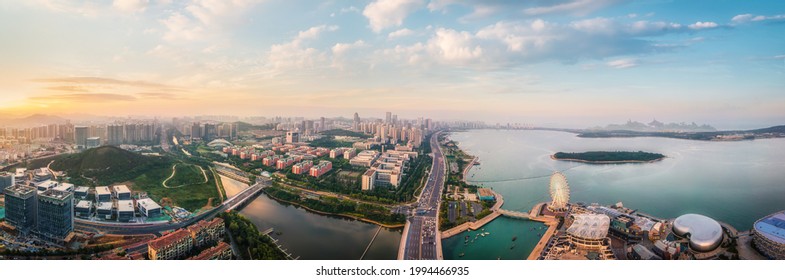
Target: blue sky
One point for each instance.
(565, 62)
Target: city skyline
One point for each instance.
(575, 63)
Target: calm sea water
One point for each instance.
(735, 182)
(317, 237)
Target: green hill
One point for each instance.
(107, 165)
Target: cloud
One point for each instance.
(99, 81)
(340, 49)
(506, 44)
(484, 8)
(200, 18)
(130, 5)
(158, 95)
(295, 54)
(67, 88)
(623, 63)
(703, 25)
(744, 18)
(400, 33)
(388, 13)
(83, 97)
(575, 7)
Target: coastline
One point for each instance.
(393, 226)
(553, 157)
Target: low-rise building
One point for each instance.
(125, 210)
(365, 158)
(83, 209)
(173, 246)
(485, 194)
(81, 192)
(103, 194)
(104, 210)
(121, 192)
(148, 207)
(222, 251)
(320, 169)
(207, 233)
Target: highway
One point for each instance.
(132, 229)
(421, 239)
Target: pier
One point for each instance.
(371, 243)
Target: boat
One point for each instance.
(513, 246)
(514, 238)
(461, 255)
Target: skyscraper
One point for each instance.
(55, 218)
(20, 207)
(322, 126)
(114, 133)
(81, 133)
(388, 118)
(356, 122)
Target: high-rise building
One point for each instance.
(20, 207)
(388, 117)
(55, 217)
(292, 137)
(322, 125)
(6, 180)
(114, 133)
(81, 133)
(356, 122)
(196, 130)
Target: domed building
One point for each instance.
(560, 193)
(769, 235)
(705, 234)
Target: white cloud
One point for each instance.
(181, 27)
(577, 7)
(506, 44)
(130, 5)
(388, 13)
(623, 63)
(295, 54)
(703, 25)
(400, 33)
(454, 46)
(744, 18)
(340, 49)
(200, 16)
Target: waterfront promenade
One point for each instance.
(479, 223)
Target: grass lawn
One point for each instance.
(186, 174)
(192, 197)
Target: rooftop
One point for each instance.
(590, 226)
(212, 251)
(125, 206)
(82, 189)
(20, 190)
(773, 227)
(147, 203)
(103, 206)
(705, 233)
(102, 191)
(84, 204)
(56, 194)
(121, 189)
(169, 239)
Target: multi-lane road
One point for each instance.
(421, 239)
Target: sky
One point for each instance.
(561, 62)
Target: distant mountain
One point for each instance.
(656, 126)
(33, 120)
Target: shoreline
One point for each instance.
(553, 157)
(394, 226)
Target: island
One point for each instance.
(607, 157)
